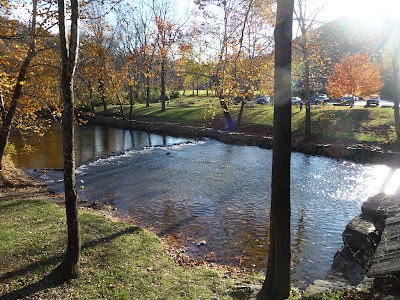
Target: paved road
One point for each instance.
(383, 103)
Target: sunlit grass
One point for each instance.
(119, 261)
(329, 123)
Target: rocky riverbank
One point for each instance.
(359, 152)
(355, 263)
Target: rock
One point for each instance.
(249, 289)
(376, 207)
(362, 258)
(319, 287)
(346, 270)
(361, 235)
(201, 243)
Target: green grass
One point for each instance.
(119, 261)
(330, 124)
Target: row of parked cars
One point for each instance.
(315, 99)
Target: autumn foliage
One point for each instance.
(354, 75)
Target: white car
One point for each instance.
(296, 101)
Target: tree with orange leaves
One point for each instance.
(354, 75)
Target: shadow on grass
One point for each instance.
(338, 124)
(52, 279)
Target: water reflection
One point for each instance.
(91, 142)
(219, 193)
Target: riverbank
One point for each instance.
(357, 152)
(26, 266)
(119, 260)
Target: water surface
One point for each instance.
(207, 190)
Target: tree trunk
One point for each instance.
(163, 85)
(277, 282)
(7, 121)
(307, 129)
(229, 124)
(147, 91)
(91, 96)
(70, 267)
(8, 117)
(102, 95)
(239, 119)
(396, 83)
(121, 107)
(131, 103)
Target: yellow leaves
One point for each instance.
(22, 83)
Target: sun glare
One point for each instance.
(372, 10)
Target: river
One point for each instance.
(213, 192)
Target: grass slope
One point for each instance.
(119, 261)
(330, 124)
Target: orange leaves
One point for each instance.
(354, 75)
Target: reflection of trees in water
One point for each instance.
(298, 239)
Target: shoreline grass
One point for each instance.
(119, 261)
(330, 124)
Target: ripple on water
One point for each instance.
(221, 193)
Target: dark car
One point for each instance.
(373, 101)
(238, 99)
(347, 100)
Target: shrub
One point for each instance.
(174, 95)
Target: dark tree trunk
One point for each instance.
(102, 95)
(70, 267)
(130, 103)
(229, 124)
(147, 91)
(277, 282)
(239, 119)
(396, 84)
(8, 117)
(121, 107)
(91, 96)
(307, 129)
(163, 85)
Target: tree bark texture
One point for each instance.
(163, 96)
(277, 283)
(396, 83)
(70, 267)
(307, 128)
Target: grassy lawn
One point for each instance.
(330, 124)
(119, 261)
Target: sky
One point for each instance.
(356, 8)
(372, 9)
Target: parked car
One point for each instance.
(347, 100)
(296, 101)
(373, 101)
(263, 99)
(319, 99)
(238, 99)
